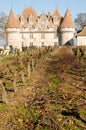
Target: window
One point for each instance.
(55, 43)
(42, 26)
(55, 26)
(30, 19)
(42, 20)
(31, 35)
(22, 44)
(21, 19)
(55, 35)
(42, 44)
(55, 19)
(31, 43)
(22, 35)
(42, 35)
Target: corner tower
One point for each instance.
(66, 29)
(13, 36)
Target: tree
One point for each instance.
(80, 21)
(3, 20)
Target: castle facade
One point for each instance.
(29, 29)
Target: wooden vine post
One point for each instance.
(4, 94)
(14, 83)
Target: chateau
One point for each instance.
(29, 29)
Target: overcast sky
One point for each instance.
(75, 6)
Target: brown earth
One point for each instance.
(52, 98)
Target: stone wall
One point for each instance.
(81, 40)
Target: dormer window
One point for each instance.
(30, 19)
(42, 20)
(21, 19)
(55, 19)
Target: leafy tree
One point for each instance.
(80, 21)
(3, 20)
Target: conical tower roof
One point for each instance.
(12, 21)
(67, 21)
(56, 13)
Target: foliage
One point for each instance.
(80, 21)
(3, 20)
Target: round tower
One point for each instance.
(66, 30)
(13, 35)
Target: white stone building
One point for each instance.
(81, 37)
(29, 29)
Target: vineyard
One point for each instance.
(43, 89)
